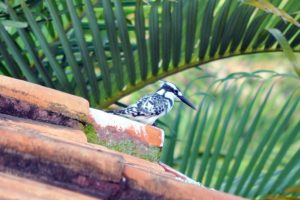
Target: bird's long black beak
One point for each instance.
(187, 102)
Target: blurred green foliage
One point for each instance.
(246, 129)
(104, 50)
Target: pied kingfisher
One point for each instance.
(149, 108)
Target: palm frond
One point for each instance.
(93, 48)
(242, 140)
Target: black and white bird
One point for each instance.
(151, 107)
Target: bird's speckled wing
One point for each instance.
(148, 106)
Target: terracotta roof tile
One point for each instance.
(170, 187)
(44, 128)
(129, 159)
(116, 124)
(45, 98)
(13, 187)
(128, 136)
(106, 166)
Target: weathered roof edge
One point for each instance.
(48, 154)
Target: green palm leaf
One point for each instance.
(239, 141)
(167, 36)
